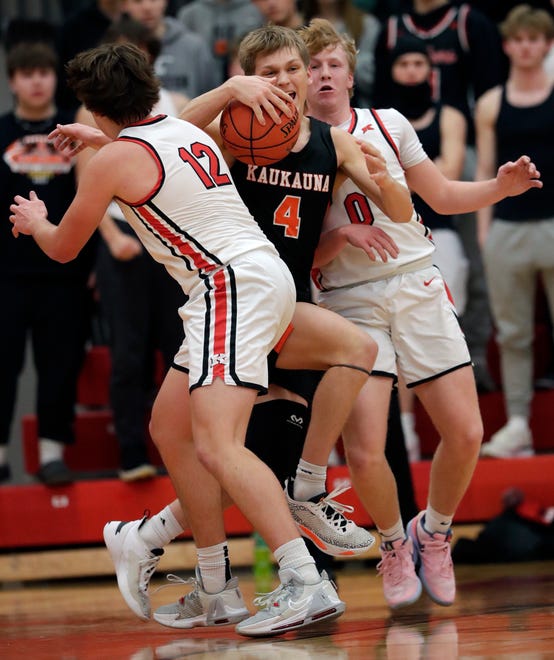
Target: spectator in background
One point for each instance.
(137, 296)
(220, 24)
(185, 63)
(44, 299)
(441, 130)
(84, 28)
(280, 12)
(465, 51)
(518, 235)
(363, 27)
(497, 10)
(23, 29)
(129, 30)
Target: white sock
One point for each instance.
(392, 533)
(160, 530)
(50, 450)
(436, 522)
(294, 554)
(3, 454)
(213, 563)
(309, 480)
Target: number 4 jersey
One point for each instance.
(289, 200)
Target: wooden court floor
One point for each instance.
(502, 611)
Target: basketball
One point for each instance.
(252, 143)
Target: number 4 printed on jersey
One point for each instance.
(287, 215)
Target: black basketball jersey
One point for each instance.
(464, 48)
(527, 130)
(289, 200)
(430, 138)
(29, 161)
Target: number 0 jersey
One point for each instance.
(194, 216)
(395, 138)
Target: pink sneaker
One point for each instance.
(401, 585)
(433, 560)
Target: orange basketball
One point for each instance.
(251, 142)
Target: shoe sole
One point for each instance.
(282, 627)
(169, 621)
(328, 548)
(418, 563)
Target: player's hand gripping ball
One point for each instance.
(251, 142)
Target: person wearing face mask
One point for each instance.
(441, 129)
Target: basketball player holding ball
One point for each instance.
(288, 199)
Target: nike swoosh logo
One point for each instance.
(428, 281)
(299, 604)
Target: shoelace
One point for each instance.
(147, 567)
(438, 545)
(265, 601)
(334, 510)
(173, 579)
(389, 566)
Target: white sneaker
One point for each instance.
(510, 441)
(199, 608)
(134, 563)
(294, 604)
(322, 521)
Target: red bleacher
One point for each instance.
(37, 516)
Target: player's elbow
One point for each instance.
(62, 254)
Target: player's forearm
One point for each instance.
(466, 196)
(396, 200)
(46, 236)
(330, 244)
(203, 109)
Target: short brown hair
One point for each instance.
(321, 34)
(267, 40)
(25, 56)
(115, 81)
(525, 17)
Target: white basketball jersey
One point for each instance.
(194, 220)
(395, 138)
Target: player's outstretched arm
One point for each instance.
(63, 242)
(452, 197)
(71, 139)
